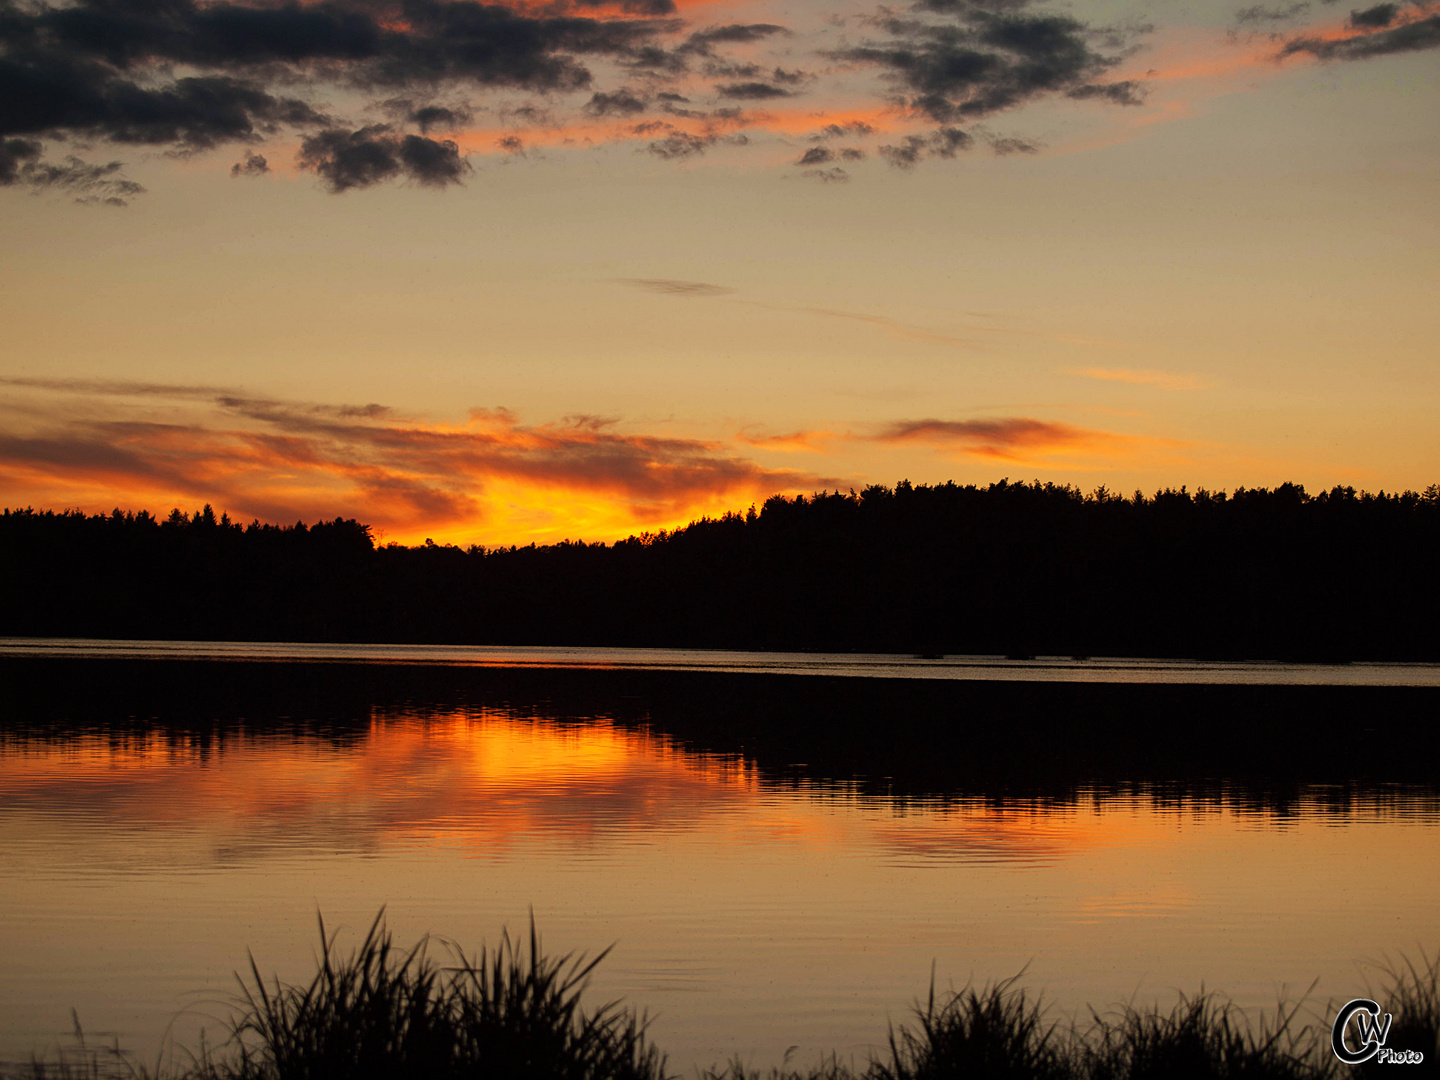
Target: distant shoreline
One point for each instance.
(919, 735)
(1011, 570)
(1098, 669)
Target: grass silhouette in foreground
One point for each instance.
(514, 1014)
(380, 1012)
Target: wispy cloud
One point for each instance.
(973, 336)
(675, 287)
(1165, 380)
(884, 323)
(1380, 30)
(794, 442)
(1017, 438)
(119, 388)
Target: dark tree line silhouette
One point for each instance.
(1018, 569)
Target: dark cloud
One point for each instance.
(349, 159)
(677, 145)
(1259, 13)
(675, 287)
(511, 144)
(632, 7)
(438, 117)
(656, 61)
(753, 75)
(21, 163)
(1003, 145)
(354, 159)
(59, 97)
(14, 155)
(423, 41)
(1126, 35)
(432, 162)
(533, 115)
(827, 176)
(751, 91)
(717, 69)
(983, 60)
(906, 155)
(674, 105)
(964, 7)
(253, 165)
(106, 69)
(823, 155)
(491, 45)
(945, 142)
(1408, 37)
(622, 102)
(85, 182)
(1128, 92)
(840, 131)
(735, 33)
(1375, 18)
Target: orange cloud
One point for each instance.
(492, 478)
(1017, 438)
(796, 442)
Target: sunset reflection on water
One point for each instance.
(752, 912)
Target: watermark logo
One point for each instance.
(1371, 1032)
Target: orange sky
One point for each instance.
(667, 261)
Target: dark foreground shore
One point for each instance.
(398, 1013)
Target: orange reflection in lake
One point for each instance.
(475, 779)
(480, 780)
(752, 912)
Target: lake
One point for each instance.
(779, 848)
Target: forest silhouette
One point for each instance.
(1012, 568)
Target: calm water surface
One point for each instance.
(865, 665)
(749, 912)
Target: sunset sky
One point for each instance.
(497, 273)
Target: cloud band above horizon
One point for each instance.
(186, 76)
(99, 444)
